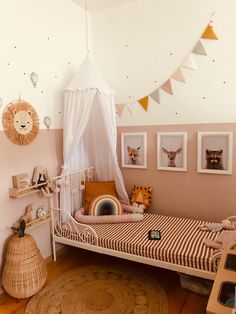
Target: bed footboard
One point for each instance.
(64, 226)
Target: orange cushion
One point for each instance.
(97, 188)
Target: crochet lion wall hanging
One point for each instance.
(20, 122)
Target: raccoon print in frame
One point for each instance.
(215, 152)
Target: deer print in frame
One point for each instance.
(172, 151)
(171, 154)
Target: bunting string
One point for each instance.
(188, 63)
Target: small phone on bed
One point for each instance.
(154, 234)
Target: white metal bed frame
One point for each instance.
(66, 230)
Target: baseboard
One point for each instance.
(59, 252)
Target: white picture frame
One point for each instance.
(219, 147)
(172, 151)
(134, 150)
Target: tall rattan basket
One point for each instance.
(24, 271)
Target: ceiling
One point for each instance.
(98, 5)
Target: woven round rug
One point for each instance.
(103, 290)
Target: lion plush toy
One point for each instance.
(140, 199)
(40, 176)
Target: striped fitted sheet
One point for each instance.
(181, 240)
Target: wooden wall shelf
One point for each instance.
(30, 190)
(37, 222)
(14, 193)
(19, 193)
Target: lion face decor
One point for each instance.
(20, 122)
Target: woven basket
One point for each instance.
(25, 271)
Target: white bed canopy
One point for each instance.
(90, 127)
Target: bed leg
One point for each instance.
(54, 250)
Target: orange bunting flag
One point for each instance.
(209, 33)
(178, 76)
(144, 102)
(119, 109)
(156, 95)
(167, 87)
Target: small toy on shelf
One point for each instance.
(41, 178)
(20, 181)
(42, 212)
(27, 217)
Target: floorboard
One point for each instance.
(180, 301)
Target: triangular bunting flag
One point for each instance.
(209, 33)
(120, 108)
(178, 76)
(132, 107)
(167, 87)
(156, 95)
(199, 49)
(189, 63)
(144, 102)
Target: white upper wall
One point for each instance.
(139, 44)
(46, 37)
(135, 44)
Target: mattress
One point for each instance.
(181, 241)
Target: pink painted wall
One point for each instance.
(184, 194)
(45, 150)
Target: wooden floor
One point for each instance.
(180, 301)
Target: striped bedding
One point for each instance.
(181, 241)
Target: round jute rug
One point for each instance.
(103, 290)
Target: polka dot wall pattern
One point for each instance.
(41, 46)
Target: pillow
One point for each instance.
(105, 205)
(141, 196)
(87, 219)
(96, 188)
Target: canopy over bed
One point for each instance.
(90, 127)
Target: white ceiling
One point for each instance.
(98, 5)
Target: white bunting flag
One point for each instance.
(199, 49)
(156, 95)
(132, 107)
(189, 63)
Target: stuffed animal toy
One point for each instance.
(140, 197)
(40, 176)
(215, 227)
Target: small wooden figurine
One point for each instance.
(20, 181)
(27, 217)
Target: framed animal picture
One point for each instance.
(134, 150)
(215, 152)
(172, 151)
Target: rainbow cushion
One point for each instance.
(105, 205)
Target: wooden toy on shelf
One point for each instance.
(41, 183)
(20, 181)
(30, 222)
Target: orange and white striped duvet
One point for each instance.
(181, 241)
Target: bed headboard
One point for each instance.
(69, 189)
(68, 197)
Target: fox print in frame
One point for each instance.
(134, 150)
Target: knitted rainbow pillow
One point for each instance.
(105, 205)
